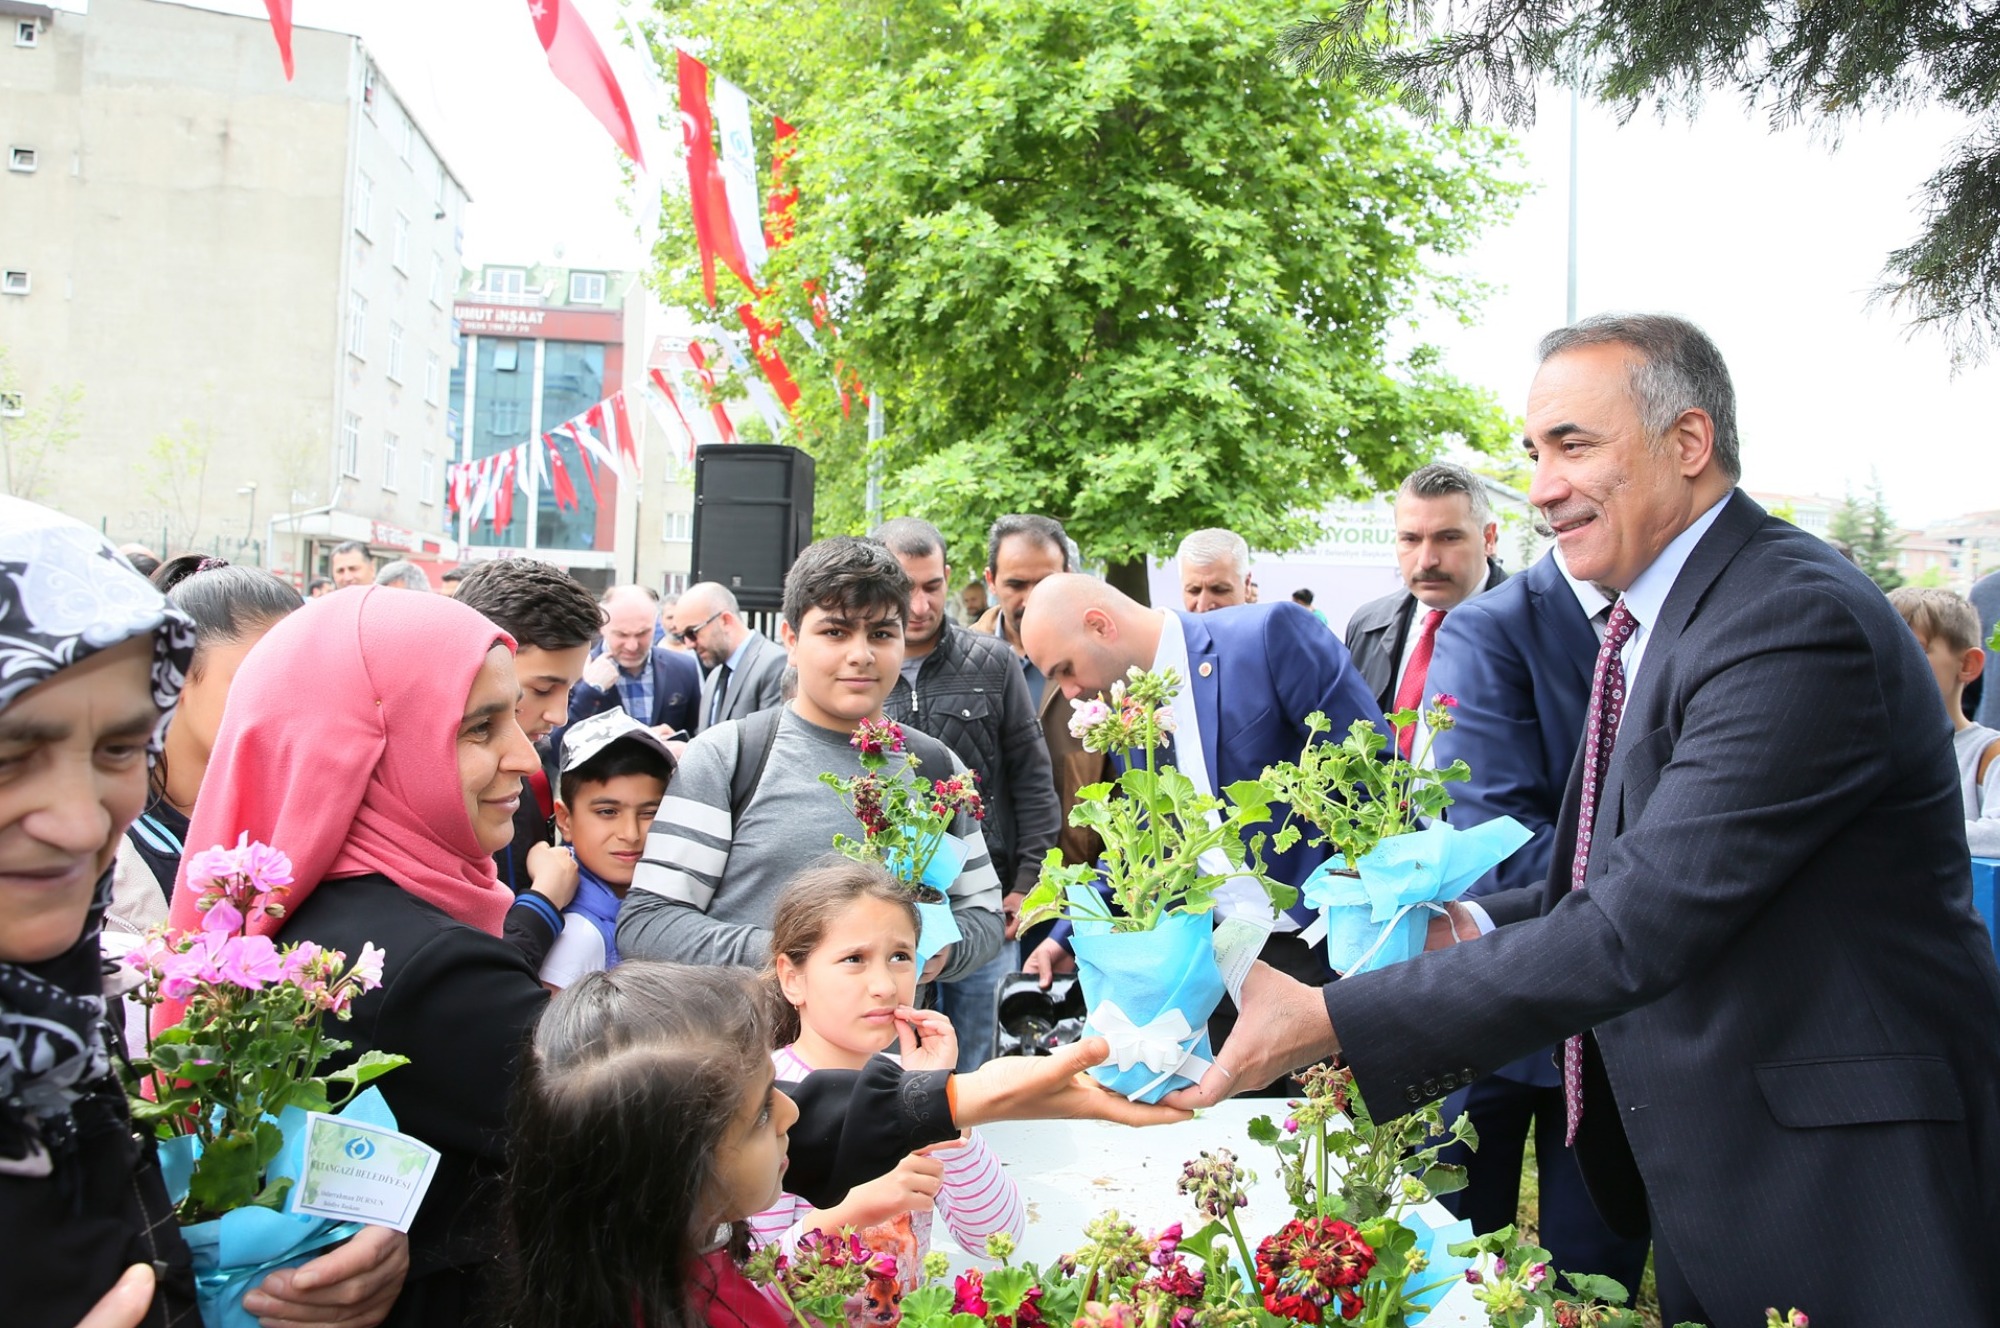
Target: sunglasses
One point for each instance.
(691, 633)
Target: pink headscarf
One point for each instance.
(339, 746)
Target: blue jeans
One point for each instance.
(969, 1003)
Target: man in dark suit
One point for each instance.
(743, 670)
(1249, 677)
(1518, 659)
(1445, 537)
(660, 688)
(1786, 1015)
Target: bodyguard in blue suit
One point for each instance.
(1518, 659)
(1251, 674)
(660, 688)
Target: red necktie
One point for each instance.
(1600, 733)
(1410, 695)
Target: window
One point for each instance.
(21, 159)
(28, 32)
(506, 281)
(677, 527)
(14, 282)
(395, 352)
(364, 204)
(390, 446)
(368, 91)
(509, 419)
(12, 405)
(586, 288)
(357, 325)
(406, 136)
(506, 356)
(437, 185)
(427, 480)
(433, 378)
(350, 446)
(399, 243)
(437, 281)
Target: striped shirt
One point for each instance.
(977, 1198)
(705, 890)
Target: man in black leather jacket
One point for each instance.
(966, 690)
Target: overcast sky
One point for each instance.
(1771, 242)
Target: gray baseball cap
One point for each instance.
(586, 738)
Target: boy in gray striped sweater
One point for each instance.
(704, 892)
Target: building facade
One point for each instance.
(539, 347)
(240, 287)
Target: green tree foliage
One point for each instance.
(1104, 260)
(1823, 65)
(1867, 529)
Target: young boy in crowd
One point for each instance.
(614, 773)
(1948, 629)
(748, 810)
(553, 620)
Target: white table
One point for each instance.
(1071, 1171)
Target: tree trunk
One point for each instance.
(1131, 577)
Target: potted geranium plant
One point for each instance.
(227, 1087)
(1394, 861)
(906, 825)
(1144, 938)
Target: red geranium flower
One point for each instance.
(1308, 1265)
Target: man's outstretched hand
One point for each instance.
(1052, 1087)
(1281, 1025)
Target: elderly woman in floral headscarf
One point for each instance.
(91, 663)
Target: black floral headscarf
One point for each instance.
(65, 595)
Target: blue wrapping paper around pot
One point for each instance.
(1379, 918)
(1435, 1243)
(936, 928)
(233, 1253)
(1149, 993)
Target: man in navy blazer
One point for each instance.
(659, 687)
(1252, 673)
(1788, 1013)
(1518, 660)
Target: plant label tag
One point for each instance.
(362, 1173)
(1238, 941)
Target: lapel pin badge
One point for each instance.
(1207, 669)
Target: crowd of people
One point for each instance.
(1733, 989)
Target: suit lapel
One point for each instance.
(1205, 669)
(1555, 604)
(1738, 521)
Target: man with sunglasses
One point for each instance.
(660, 688)
(744, 669)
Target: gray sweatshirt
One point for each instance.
(705, 891)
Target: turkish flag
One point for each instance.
(281, 27)
(764, 347)
(778, 208)
(559, 480)
(578, 61)
(714, 234)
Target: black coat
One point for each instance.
(970, 695)
(65, 1238)
(1794, 1057)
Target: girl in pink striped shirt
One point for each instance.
(843, 962)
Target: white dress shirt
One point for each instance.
(1647, 595)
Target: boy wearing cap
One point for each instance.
(614, 772)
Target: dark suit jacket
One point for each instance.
(1518, 659)
(1378, 630)
(758, 683)
(676, 693)
(1796, 1013)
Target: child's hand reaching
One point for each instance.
(939, 1050)
(911, 1188)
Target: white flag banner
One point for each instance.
(606, 458)
(754, 385)
(739, 171)
(694, 403)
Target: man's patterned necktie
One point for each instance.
(1600, 732)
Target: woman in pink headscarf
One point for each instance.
(371, 737)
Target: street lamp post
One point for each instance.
(250, 526)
